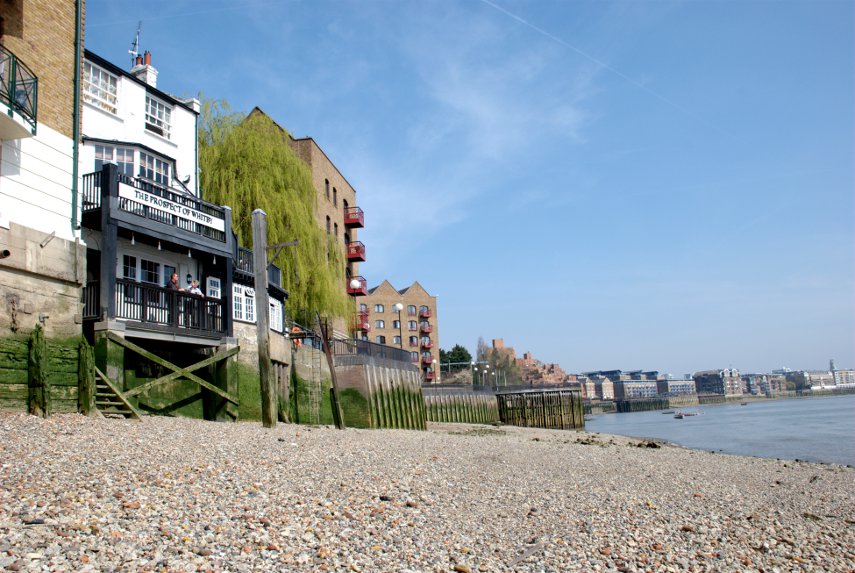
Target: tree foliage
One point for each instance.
(247, 164)
(457, 358)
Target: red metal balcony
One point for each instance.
(427, 344)
(424, 313)
(429, 376)
(354, 218)
(425, 327)
(355, 251)
(427, 359)
(357, 286)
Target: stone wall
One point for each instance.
(41, 278)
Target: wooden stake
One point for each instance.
(262, 305)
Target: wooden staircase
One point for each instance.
(109, 401)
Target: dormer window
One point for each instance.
(100, 88)
(157, 117)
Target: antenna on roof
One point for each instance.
(135, 45)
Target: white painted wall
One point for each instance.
(128, 125)
(36, 182)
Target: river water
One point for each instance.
(811, 429)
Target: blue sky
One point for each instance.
(659, 185)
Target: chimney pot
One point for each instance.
(147, 58)
(139, 60)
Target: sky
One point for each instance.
(661, 185)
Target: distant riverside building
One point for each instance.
(675, 387)
(414, 327)
(725, 382)
(631, 389)
(844, 377)
(806, 379)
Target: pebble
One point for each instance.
(173, 494)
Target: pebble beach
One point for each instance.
(173, 494)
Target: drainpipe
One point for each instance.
(78, 42)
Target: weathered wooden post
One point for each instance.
(85, 379)
(338, 417)
(38, 394)
(262, 304)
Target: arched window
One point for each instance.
(396, 340)
(396, 324)
(411, 310)
(414, 341)
(335, 197)
(381, 339)
(327, 188)
(380, 323)
(378, 308)
(363, 307)
(411, 325)
(329, 224)
(335, 229)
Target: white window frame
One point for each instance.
(154, 168)
(243, 307)
(379, 308)
(123, 157)
(100, 88)
(158, 116)
(379, 324)
(214, 287)
(276, 316)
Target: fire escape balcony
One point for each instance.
(427, 360)
(354, 218)
(427, 344)
(19, 93)
(424, 313)
(355, 251)
(362, 323)
(425, 327)
(357, 286)
(429, 376)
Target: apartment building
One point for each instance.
(405, 318)
(724, 382)
(42, 259)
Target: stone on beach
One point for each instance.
(84, 494)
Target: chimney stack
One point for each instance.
(144, 71)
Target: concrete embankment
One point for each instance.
(86, 494)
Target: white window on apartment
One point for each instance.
(244, 303)
(380, 324)
(154, 169)
(276, 317)
(379, 308)
(396, 340)
(121, 156)
(380, 339)
(157, 116)
(100, 88)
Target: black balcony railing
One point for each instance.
(19, 87)
(91, 300)
(185, 206)
(181, 311)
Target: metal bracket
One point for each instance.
(279, 247)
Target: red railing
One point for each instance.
(424, 313)
(355, 251)
(427, 360)
(354, 217)
(425, 327)
(429, 376)
(357, 286)
(427, 344)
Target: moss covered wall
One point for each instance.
(463, 408)
(60, 368)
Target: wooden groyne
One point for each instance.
(553, 409)
(462, 408)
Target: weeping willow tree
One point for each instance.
(246, 163)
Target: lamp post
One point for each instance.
(398, 308)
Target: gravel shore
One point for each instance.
(172, 494)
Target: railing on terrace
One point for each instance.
(156, 305)
(91, 299)
(354, 217)
(186, 205)
(19, 86)
(365, 348)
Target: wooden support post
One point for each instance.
(38, 394)
(262, 304)
(226, 378)
(324, 328)
(85, 379)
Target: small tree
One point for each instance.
(458, 358)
